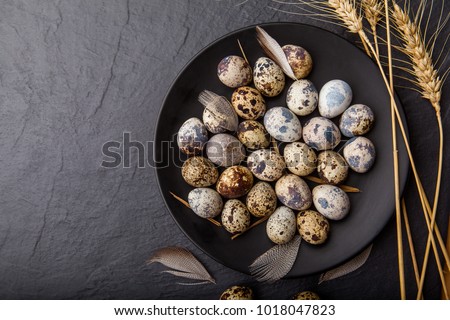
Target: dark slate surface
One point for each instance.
(75, 74)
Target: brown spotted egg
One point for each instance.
(332, 167)
(302, 97)
(199, 172)
(237, 293)
(280, 227)
(321, 133)
(283, 124)
(205, 202)
(293, 192)
(331, 201)
(235, 182)
(225, 150)
(234, 71)
(248, 103)
(300, 159)
(356, 120)
(266, 165)
(253, 134)
(192, 136)
(299, 59)
(312, 226)
(360, 154)
(235, 216)
(268, 77)
(261, 200)
(306, 295)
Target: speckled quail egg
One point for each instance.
(234, 71)
(266, 165)
(248, 103)
(359, 152)
(212, 123)
(306, 295)
(205, 202)
(237, 293)
(312, 226)
(234, 182)
(332, 167)
(299, 59)
(225, 150)
(199, 172)
(321, 134)
(302, 97)
(253, 134)
(331, 201)
(283, 124)
(334, 97)
(235, 216)
(281, 226)
(300, 159)
(293, 192)
(192, 136)
(261, 200)
(356, 120)
(268, 77)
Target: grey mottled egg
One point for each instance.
(268, 77)
(225, 150)
(234, 182)
(321, 134)
(331, 201)
(199, 172)
(235, 216)
(253, 134)
(192, 136)
(234, 71)
(306, 295)
(359, 152)
(280, 227)
(248, 103)
(283, 124)
(261, 200)
(312, 226)
(293, 192)
(302, 97)
(205, 202)
(300, 159)
(299, 59)
(332, 167)
(237, 293)
(356, 120)
(212, 123)
(266, 165)
(334, 97)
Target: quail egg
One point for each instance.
(312, 226)
(360, 154)
(281, 227)
(237, 293)
(212, 123)
(331, 201)
(253, 134)
(356, 120)
(234, 71)
(192, 136)
(283, 124)
(248, 103)
(199, 172)
(225, 150)
(299, 59)
(302, 97)
(321, 134)
(300, 159)
(205, 202)
(261, 200)
(306, 295)
(332, 167)
(234, 182)
(334, 97)
(293, 192)
(235, 216)
(266, 165)
(268, 77)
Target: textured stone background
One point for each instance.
(77, 73)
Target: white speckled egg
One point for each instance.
(334, 97)
(331, 201)
(356, 120)
(199, 172)
(253, 134)
(332, 167)
(234, 182)
(192, 136)
(283, 124)
(321, 134)
(281, 225)
(235, 216)
(261, 200)
(306, 295)
(312, 226)
(237, 293)
(212, 123)
(205, 202)
(302, 97)
(225, 150)
(266, 165)
(299, 59)
(300, 159)
(359, 152)
(234, 71)
(268, 77)
(293, 192)
(248, 103)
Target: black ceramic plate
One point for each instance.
(334, 58)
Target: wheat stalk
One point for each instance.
(373, 14)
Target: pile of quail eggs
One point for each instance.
(235, 173)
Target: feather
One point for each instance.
(348, 267)
(183, 264)
(220, 108)
(274, 51)
(275, 263)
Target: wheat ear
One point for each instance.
(373, 14)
